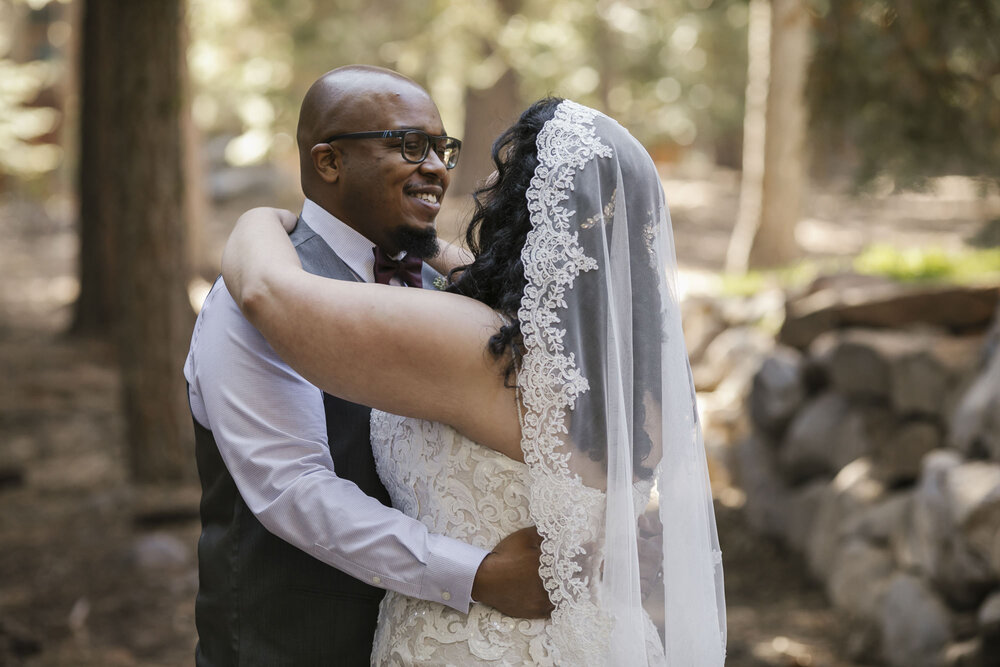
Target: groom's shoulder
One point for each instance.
(303, 233)
(219, 310)
(223, 336)
(317, 255)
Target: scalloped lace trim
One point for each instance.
(568, 514)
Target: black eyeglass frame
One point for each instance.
(456, 148)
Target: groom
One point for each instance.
(298, 541)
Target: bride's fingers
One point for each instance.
(287, 218)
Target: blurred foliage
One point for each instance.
(930, 264)
(21, 124)
(906, 265)
(25, 124)
(795, 276)
(900, 90)
(673, 72)
(912, 87)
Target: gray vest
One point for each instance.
(262, 601)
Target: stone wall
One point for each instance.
(870, 443)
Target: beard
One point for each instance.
(417, 243)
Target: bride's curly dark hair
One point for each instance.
(498, 229)
(496, 235)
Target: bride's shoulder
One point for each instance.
(464, 312)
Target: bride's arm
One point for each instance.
(450, 256)
(419, 353)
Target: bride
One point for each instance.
(548, 384)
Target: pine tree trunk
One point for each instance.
(156, 317)
(203, 263)
(95, 309)
(487, 113)
(774, 136)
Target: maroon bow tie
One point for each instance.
(406, 269)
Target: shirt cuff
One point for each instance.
(451, 570)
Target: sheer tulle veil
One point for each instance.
(619, 482)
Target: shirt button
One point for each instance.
(446, 596)
(376, 580)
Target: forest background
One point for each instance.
(788, 133)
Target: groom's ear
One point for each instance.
(326, 161)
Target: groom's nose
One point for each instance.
(433, 165)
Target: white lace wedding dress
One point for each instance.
(601, 328)
(463, 490)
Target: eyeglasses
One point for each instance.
(414, 144)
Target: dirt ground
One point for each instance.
(89, 577)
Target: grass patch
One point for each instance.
(930, 264)
(910, 265)
(789, 277)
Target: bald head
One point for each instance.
(342, 99)
(367, 182)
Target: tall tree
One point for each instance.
(132, 199)
(96, 308)
(489, 110)
(156, 316)
(774, 135)
(911, 87)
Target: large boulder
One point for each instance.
(800, 514)
(767, 496)
(778, 390)
(903, 539)
(723, 426)
(878, 523)
(859, 580)
(956, 522)
(827, 434)
(958, 309)
(851, 492)
(918, 371)
(723, 380)
(965, 653)
(975, 426)
(731, 359)
(928, 381)
(899, 447)
(857, 361)
(988, 622)
(916, 624)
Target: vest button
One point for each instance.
(376, 580)
(446, 596)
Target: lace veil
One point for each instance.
(620, 490)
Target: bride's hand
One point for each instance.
(450, 256)
(258, 253)
(287, 218)
(649, 547)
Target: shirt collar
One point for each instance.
(349, 244)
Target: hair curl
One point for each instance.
(499, 227)
(496, 235)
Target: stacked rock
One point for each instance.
(873, 448)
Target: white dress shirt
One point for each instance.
(270, 427)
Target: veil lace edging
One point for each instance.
(550, 382)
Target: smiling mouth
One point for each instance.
(427, 197)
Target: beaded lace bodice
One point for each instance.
(465, 491)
